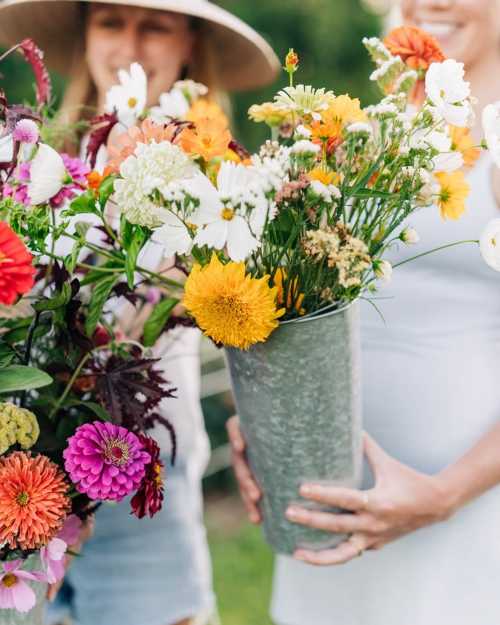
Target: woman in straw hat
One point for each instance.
(154, 571)
(431, 403)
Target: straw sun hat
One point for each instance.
(244, 59)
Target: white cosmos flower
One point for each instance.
(490, 244)
(151, 166)
(409, 236)
(172, 104)
(6, 149)
(447, 160)
(173, 235)
(191, 89)
(129, 97)
(449, 92)
(47, 175)
(491, 127)
(223, 224)
(383, 270)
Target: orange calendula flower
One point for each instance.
(94, 179)
(293, 292)
(462, 141)
(324, 176)
(342, 111)
(418, 50)
(127, 142)
(203, 109)
(33, 500)
(452, 195)
(209, 139)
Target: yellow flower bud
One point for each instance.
(291, 61)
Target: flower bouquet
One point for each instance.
(279, 246)
(77, 398)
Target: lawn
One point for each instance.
(243, 566)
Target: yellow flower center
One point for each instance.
(23, 498)
(132, 102)
(494, 242)
(9, 580)
(227, 214)
(191, 227)
(157, 471)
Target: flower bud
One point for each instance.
(382, 270)
(291, 61)
(409, 236)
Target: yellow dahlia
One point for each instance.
(452, 195)
(462, 141)
(231, 307)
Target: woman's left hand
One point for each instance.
(402, 501)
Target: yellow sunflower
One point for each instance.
(462, 141)
(231, 307)
(452, 195)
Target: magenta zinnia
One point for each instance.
(105, 461)
(149, 497)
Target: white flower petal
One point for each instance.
(47, 175)
(6, 149)
(213, 234)
(240, 242)
(490, 244)
(173, 236)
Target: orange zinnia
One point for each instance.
(204, 108)
(418, 50)
(209, 139)
(16, 266)
(127, 142)
(33, 500)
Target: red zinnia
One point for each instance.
(149, 497)
(16, 266)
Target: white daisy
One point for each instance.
(129, 97)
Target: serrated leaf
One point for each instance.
(157, 320)
(100, 295)
(21, 378)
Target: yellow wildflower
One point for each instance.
(279, 279)
(209, 139)
(462, 141)
(324, 176)
(341, 111)
(452, 195)
(231, 307)
(270, 113)
(17, 425)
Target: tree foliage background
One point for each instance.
(326, 33)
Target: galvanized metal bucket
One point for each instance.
(298, 396)
(36, 615)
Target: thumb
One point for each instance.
(376, 456)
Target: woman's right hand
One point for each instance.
(249, 489)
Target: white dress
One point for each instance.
(431, 390)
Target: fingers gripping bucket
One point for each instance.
(298, 396)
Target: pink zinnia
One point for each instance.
(26, 131)
(105, 461)
(15, 593)
(53, 561)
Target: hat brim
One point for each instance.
(244, 59)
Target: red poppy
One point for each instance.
(16, 266)
(149, 497)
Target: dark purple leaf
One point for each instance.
(100, 126)
(34, 56)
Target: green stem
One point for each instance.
(76, 373)
(436, 249)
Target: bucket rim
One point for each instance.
(314, 316)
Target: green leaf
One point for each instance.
(100, 295)
(97, 409)
(7, 355)
(132, 253)
(157, 320)
(84, 203)
(59, 300)
(21, 378)
(106, 189)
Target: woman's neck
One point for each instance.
(484, 85)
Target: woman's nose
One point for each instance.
(130, 45)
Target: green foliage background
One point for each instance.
(326, 33)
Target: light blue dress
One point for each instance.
(152, 571)
(431, 390)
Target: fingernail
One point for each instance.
(306, 489)
(254, 518)
(292, 513)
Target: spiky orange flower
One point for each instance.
(210, 138)
(462, 141)
(127, 142)
(33, 500)
(231, 307)
(418, 50)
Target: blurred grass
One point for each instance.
(242, 563)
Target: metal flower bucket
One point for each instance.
(36, 615)
(298, 396)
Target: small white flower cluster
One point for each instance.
(391, 74)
